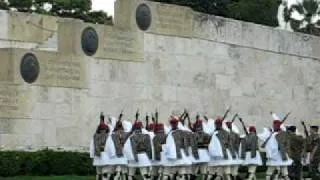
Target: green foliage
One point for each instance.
(80, 9)
(21, 5)
(3, 5)
(308, 8)
(259, 12)
(45, 162)
(256, 11)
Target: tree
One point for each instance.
(305, 17)
(21, 5)
(256, 11)
(4, 5)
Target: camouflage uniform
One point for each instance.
(315, 161)
(294, 152)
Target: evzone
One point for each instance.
(205, 149)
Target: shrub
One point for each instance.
(45, 162)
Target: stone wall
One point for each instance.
(155, 56)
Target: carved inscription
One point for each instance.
(173, 20)
(122, 45)
(63, 70)
(66, 73)
(12, 101)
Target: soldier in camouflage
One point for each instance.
(294, 151)
(315, 153)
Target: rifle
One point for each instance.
(234, 118)
(189, 121)
(147, 121)
(183, 116)
(206, 118)
(285, 117)
(266, 141)
(243, 125)
(137, 115)
(226, 114)
(118, 121)
(305, 129)
(101, 117)
(153, 119)
(156, 116)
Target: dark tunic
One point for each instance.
(223, 136)
(141, 143)
(249, 144)
(158, 140)
(283, 144)
(234, 144)
(99, 140)
(119, 138)
(180, 141)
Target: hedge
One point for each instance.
(48, 162)
(45, 162)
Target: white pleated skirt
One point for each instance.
(252, 161)
(220, 161)
(184, 161)
(204, 156)
(276, 160)
(143, 161)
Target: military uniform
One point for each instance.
(141, 152)
(202, 141)
(294, 151)
(158, 141)
(250, 152)
(315, 153)
(98, 152)
(220, 155)
(119, 137)
(233, 146)
(276, 149)
(175, 159)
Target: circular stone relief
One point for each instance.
(143, 17)
(89, 41)
(29, 68)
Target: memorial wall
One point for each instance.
(57, 75)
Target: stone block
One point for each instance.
(224, 82)
(30, 27)
(121, 44)
(4, 20)
(55, 69)
(209, 27)
(233, 30)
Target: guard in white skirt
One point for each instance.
(220, 155)
(250, 152)
(175, 159)
(119, 137)
(202, 142)
(141, 152)
(277, 157)
(158, 141)
(233, 146)
(98, 150)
